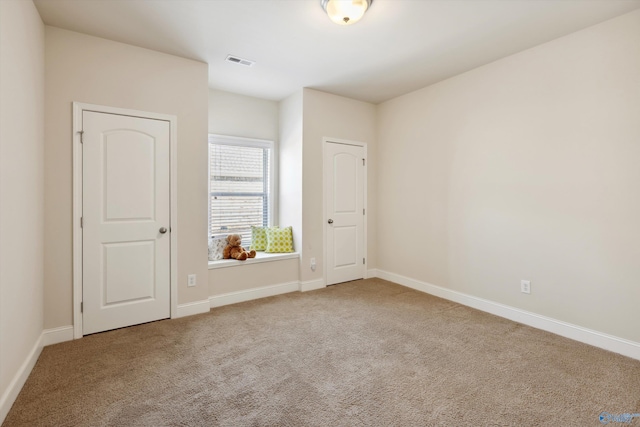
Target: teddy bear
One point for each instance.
(234, 250)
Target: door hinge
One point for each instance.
(81, 307)
(363, 261)
(81, 222)
(363, 212)
(81, 132)
(362, 162)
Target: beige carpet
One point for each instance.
(366, 353)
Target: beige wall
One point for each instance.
(250, 276)
(290, 160)
(245, 116)
(21, 188)
(248, 117)
(526, 168)
(327, 115)
(98, 71)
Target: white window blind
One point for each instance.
(240, 185)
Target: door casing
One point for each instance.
(78, 108)
(325, 141)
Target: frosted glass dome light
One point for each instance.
(346, 12)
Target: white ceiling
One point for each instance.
(399, 46)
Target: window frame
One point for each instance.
(253, 143)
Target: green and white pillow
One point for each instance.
(279, 240)
(258, 238)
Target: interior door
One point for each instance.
(125, 221)
(344, 202)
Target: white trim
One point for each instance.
(312, 285)
(47, 337)
(240, 141)
(344, 141)
(371, 273)
(57, 335)
(252, 294)
(173, 199)
(77, 214)
(260, 258)
(365, 223)
(12, 391)
(78, 108)
(191, 308)
(588, 336)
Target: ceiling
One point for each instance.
(399, 46)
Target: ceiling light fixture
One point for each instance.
(345, 12)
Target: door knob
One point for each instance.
(330, 221)
(163, 230)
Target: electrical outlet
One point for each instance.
(525, 286)
(191, 280)
(313, 264)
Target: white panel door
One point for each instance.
(344, 202)
(126, 217)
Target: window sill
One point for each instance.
(260, 257)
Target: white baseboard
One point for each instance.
(12, 391)
(312, 285)
(371, 273)
(191, 308)
(588, 336)
(251, 294)
(57, 335)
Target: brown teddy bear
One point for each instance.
(234, 250)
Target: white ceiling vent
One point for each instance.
(241, 61)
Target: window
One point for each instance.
(240, 185)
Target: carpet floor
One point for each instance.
(364, 353)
